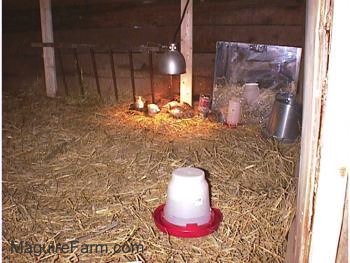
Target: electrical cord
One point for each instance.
(182, 18)
(154, 45)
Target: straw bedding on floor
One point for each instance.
(76, 170)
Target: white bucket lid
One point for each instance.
(188, 174)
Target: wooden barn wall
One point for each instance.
(130, 25)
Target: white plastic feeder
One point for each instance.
(188, 198)
(187, 211)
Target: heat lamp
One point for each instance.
(172, 62)
(187, 212)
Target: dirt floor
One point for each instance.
(75, 170)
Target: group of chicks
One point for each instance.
(176, 109)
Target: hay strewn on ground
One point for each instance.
(97, 173)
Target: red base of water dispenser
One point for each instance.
(190, 230)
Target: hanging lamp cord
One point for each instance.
(182, 18)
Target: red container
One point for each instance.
(189, 231)
(204, 105)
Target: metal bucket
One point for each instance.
(285, 120)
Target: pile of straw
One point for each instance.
(96, 174)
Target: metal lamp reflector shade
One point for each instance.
(172, 62)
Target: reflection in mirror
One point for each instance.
(254, 73)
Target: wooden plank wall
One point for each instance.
(128, 25)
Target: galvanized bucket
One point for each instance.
(285, 119)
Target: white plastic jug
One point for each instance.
(251, 92)
(188, 198)
(234, 112)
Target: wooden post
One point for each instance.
(79, 72)
(324, 151)
(94, 67)
(60, 59)
(315, 51)
(114, 77)
(187, 51)
(48, 52)
(150, 58)
(132, 75)
(334, 143)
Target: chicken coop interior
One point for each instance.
(96, 127)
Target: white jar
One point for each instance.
(234, 112)
(251, 92)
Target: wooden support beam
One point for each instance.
(315, 51)
(324, 165)
(48, 52)
(79, 71)
(334, 161)
(150, 59)
(94, 67)
(114, 78)
(115, 49)
(187, 51)
(60, 59)
(132, 75)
